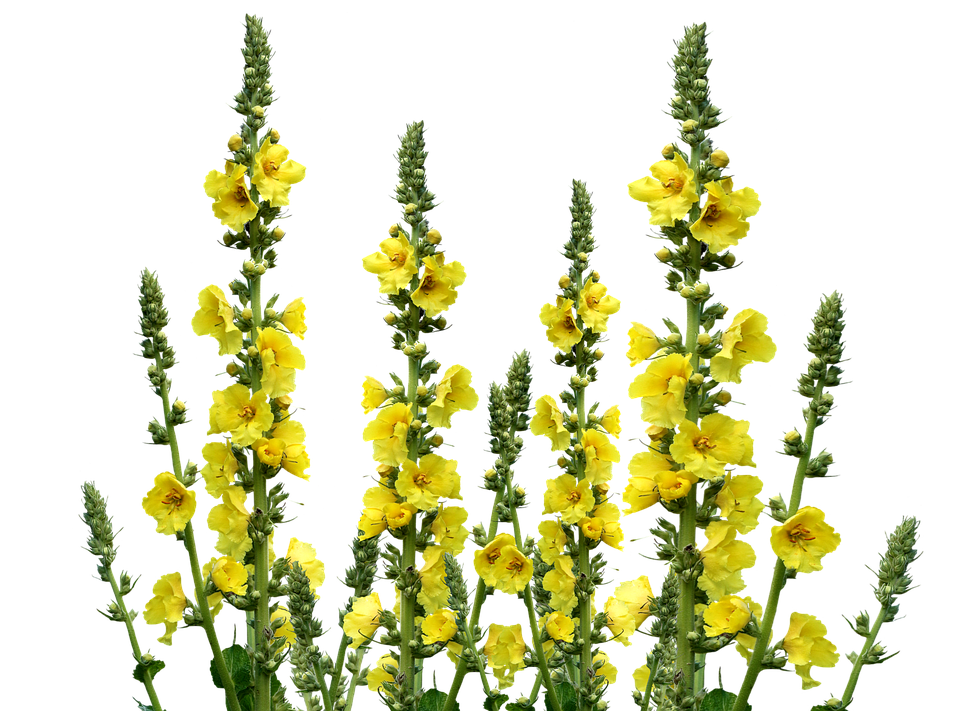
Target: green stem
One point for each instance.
(649, 688)
(779, 570)
(199, 584)
(858, 665)
(535, 689)
(354, 678)
(338, 666)
(132, 634)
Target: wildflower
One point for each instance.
(663, 388)
(230, 519)
(559, 627)
(389, 434)
(504, 651)
(724, 558)
(728, 616)
(293, 318)
(437, 290)
(553, 541)
(215, 318)
(229, 576)
(448, 529)
(439, 627)
(166, 605)
(600, 455)
(641, 492)
(220, 469)
(232, 203)
(603, 524)
(434, 594)
(245, 417)
(746, 341)
(170, 503)
(361, 623)
(485, 559)
(596, 306)
(803, 540)
(704, 450)
(606, 670)
(738, 501)
(285, 631)
(374, 395)
(566, 496)
(561, 323)
(512, 570)
(806, 647)
(453, 394)
(293, 454)
(636, 595)
(641, 677)
(610, 421)
(382, 510)
(723, 220)
(394, 265)
(273, 174)
(280, 359)
(561, 584)
(670, 193)
(672, 485)
(620, 621)
(746, 642)
(548, 420)
(306, 556)
(378, 675)
(643, 343)
(423, 484)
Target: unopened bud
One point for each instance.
(419, 347)
(674, 339)
(441, 322)
(416, 425)
(390, 318)
(663, 254)
(277, 234)
(701, 289)
(595, 275)
(521, 491)
(598, 354)
(247, 313)
(433, 237)
(562, 462)
(692, 636)
(252, 352)
(437, 440)
(410, 208)
(490, 474)
(574, 417)
(689, 126)
(232, 369)
(578, 448)
(398, 390)
(274, 135)
(729, 259)
(179, 406)
(258, 111)
(704, 339)
(260, 269)
(723, 397)
(582, 256)
(720, 158)
(234, 143)
(668, 151)
(249, 265)
(686, 292)
(270, 313)
(564, 281)
(394, 230)
(696, 380)
(792, 437)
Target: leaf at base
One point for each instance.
(433, 700)
(719, 700)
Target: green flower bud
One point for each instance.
(720, 158)
(277, 234)
(704, 339)
(410, 208)
(564, 281)
(723, 397)
(394, 230)
(258, 111)
(668, 151)
(270, 313)
(234, 143)
(247, 313)
(274, 135)
(689, 126)
(663, 254)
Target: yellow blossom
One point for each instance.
(374, 395)
(394, 264)
(504, 651)
(704, 450)
(603, 524)
(231, 519)
(269, 451)
(738, 501)
(361, 623)
(378, 675)
(512, 570)
(437, 290)
(166, 606)
(285, 630)
(723, 220)
(566, 496)
(306, 555)
(728, 616)
(606, 670)
(439, 627)
(746, 642)
(453, 394)
(643, 343)
(620, 621)
(600, 455)
(641, 492)
(663, 387)
(561, 323)
(422, 484)
(640, 678)
(434, 594)
(636, 595)
(560, 583)
(746, 341)
(610, 421)
(485, 559)
(388, 432)
(670, 193)
(448, 529)
(246, 418)
(232, 204)
(559, 627)
(672, 485)
(214, 599)
(382, 510)
(215, 318)
(724, 558)
(294, 318)
(228, 575)
(273, 174)
(548, 420)
(596, 306)
(803, 540)
(170, 503)
(293, 454)
(280, 360)
(806, 647)
(552, 542)
(220, 469)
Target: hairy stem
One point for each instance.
(132, 634)
(858, 665)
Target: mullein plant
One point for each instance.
(691, 466)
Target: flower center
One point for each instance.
(703, 445)
(711, 214)
(672, 184)
(515, 565)
(173, 498)
(247, 413)
(800, 533)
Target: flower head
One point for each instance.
(566, 496)
(561, 584)
(220, 469)
(215, 318)
(670, 193)
(603, 524)
(170, 503)
(724, 557)
(293, 318)
(273, 174)
(559, 627)
(738, 501)
(280, 360)
(439, 627)
(610, 421)
(723, 220)
(553, 541)
(600, 455)
(286, 448)
(504, 651)
(232, 203)
(512, 570)
(306, 556)
(383, 510)
(388, 432)
(166, 606)
(485, 559)
(437, 290)
(361, 623)
(803, 540)
(561, 323)
(728, 616)
(394, 265)
(705, 449)
(548, 420)
(606, 669)
(453, 394)
(643, 343)
(422, 484)
(374, 395)
(806, 646)
(378, 675)
(231, 519)
(245, 417)
(642, 491)
(672, 485)
(663, 388)
(448, 529)
(228, 575)
(746, 341)
(596, 306)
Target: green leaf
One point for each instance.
(237, 662)
(492, 703)
(434, 700)
(153, 667)
(566, 695)
(719, 700)
(143, 707)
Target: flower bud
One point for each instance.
(179, 406)
(723, 397)
(582, 256)
(407, 350)
(433, 237)
(720, 158)
(677, 101)
(564, 281)
(574, 417)
(689, 126)
(419, 347)
(234, 143)
(248, 265)
(421, 390)
(252, 352)
(258, 111)
(394, 230)
(283, 402)
(578, 448)
(247, 313)
(277, 234)
(792, 437)
(562, 462)
(232, 369)
(696, 380)
(704, 339)
(729, 259)
(663, 254)
(603, 488)
(437, 440)
(686, 292)
(674, 339)
(595, 275)
(270, 313)
(598, 354)
(416, 425)
(668, 151)
(410, 208)
(441, 322)
(692, 636)
(274, 135)
(390, 318)
(398, 390)
(701, 289)
(490, 474)
(521, 491)
(260, 269)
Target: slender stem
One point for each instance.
(701, 673)
(354, 678)
(132, 634)
(858, 665)
(472, 645)
(535, 689)
(338, 666)
(649, 688)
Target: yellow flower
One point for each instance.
(170, 503)
(803, 540)
(610, 421)
(723, 220)
(231, 199)
(485, 559)
(595, 306)
(374, 395)
(643, 343)
(382, 510)
(745, 642)
(504, 651)
(437, 290)
(728, 616)
(439, 627)
(228, 575)
(246, 418)
(512, 570)
(641, 492)
(448, 529)
(166, 605)
(640, 678)
(571, 499)
(288, 438)
(663, 387)
(361, 623)
(379, 674)
(738, 502)
(215, 318)
(606, 670)
(559, 626)
(294, 318)
(561, 583)
(704, 450)
(221, 467)
(548, 420)
(423, 484)
(434, 594)
(621, 623)
(306, 556)
(394, 264)
(724, 558)
(636, 595)
(806, 647)
(561, 323)
(285, 630)
(269, 451)
(389, 434)
(672, 485)
(453, 394)
(280, 360)
(746, 341)
(600, 455)
(603, 524)
(273, 174)
(230, 519)
(553, 540)
(670, 193)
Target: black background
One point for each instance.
(514, 114)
